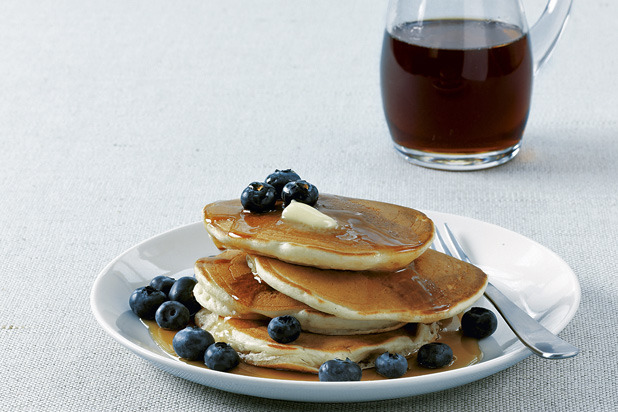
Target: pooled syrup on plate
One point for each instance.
(466, 352)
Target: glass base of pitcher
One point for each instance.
(458, 162)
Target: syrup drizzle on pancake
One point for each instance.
(229, 271)
(360, 226)
(228, 279)
(433, 287)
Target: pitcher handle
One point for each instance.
(547, 30)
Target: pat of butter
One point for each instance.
(301, 213)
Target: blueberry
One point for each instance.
(280, 178)
(284, 329)
(182, 291)
(478, 323)
(391, 365)
(337, 370)
(172, 315)
(145, 301)
(221, 357)
(259, 197)
(434, 355)
(162, 283)
(301, 191)
(191, 342)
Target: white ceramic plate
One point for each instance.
(531, 275)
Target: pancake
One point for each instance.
(227, 287)
(433, 287)
(250, 339)
(370, 235)
(206, 293)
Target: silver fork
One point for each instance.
(531, 333)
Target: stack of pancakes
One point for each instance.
(369, 286)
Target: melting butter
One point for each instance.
(301, 213)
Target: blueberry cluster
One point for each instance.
(168, 301)
(171, 303)
(285, 185)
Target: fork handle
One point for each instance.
(532, 334)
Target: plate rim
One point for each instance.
(391, 388)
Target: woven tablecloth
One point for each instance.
(120, 120)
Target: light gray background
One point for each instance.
(121, 119)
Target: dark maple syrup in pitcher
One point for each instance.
(456, 86)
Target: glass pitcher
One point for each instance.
(456, 77)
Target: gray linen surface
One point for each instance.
(121, 119)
